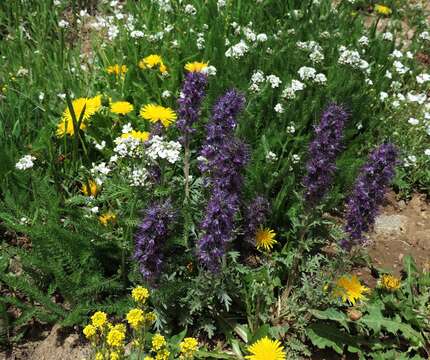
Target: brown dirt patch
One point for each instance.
(50, 345)
(402, 228)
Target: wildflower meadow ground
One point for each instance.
(189, 179)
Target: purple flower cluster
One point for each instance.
(192, 94)
(322, 153)
(255, 216)
(222, 159)
(368, 193)
(150, 237)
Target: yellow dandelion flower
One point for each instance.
(117, 70)
(138, 135)
(383, 10)
(107, 218)
(158, 341)
(114, 355)
(90, 188)
(154, 113)
(265, 239)
(99, 356)
(389, 282)
(121, 107)
(196, 66)
(350, 289)
(99, 319)
(115, 337)
(266, 349)
(89, 331)
(135, 318)
(140, 294)
(188, 347)
(148, 358)
(150, 61)
(85, 107)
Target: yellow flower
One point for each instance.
(154, 113)
(116, 337)
(188, 347)
(150, 61)
(121, 107)
(349, 288)
(99, 356)
(136, 318)
(148, 358)
(140, 294)
(162, 355)
(158, 341)
(107, 218)
(265, 239)
(99, 319)
(163, 68)
(383, 10)
(153, 61)
(389, 282)
(89, 331)
(150, 317)
(90, 188)
(117, 70)
(114, 355)
(266, 349)
(196, 66)
(85, 107)
(138, 135)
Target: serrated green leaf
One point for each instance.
(328, 336)
(331, 314)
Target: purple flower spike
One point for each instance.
(222, 159)
(150, 238)
(192, 94)
(255, 216)
(323, 151)
(368, 193)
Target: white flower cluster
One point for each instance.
(190, 10)
(257, 79)
(290, 91)
(363, 41)
(425, 35)
(423, 78)
(352, 58)
(271, 157)
(128, 146)
(237, 51)
(160, 149)
(164, 5)
(400, 68)
(26, 162)
(308, 73)
(100, 172)
(316, 52)
(138, 176)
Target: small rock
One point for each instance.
(71, 340)
(401, 257)
(386, 224)
(401, 204)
